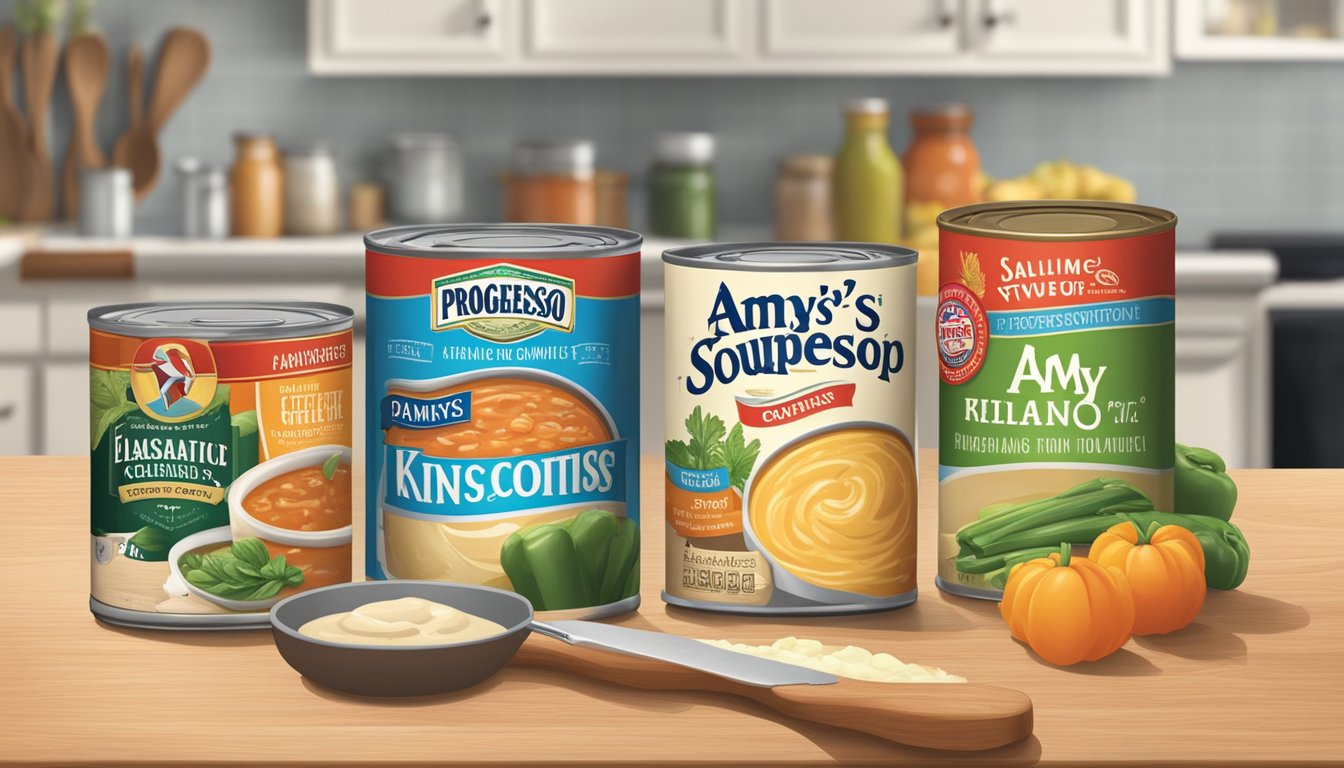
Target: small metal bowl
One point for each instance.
(370, 670)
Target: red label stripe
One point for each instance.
(787, 409)
(403, 276)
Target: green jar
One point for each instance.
(681, 187)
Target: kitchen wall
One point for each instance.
(1228, 146)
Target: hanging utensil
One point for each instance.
(184, 56)
(13, 131)
(87, 61)
(39, 53)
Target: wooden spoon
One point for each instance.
(952, 716)
(39, 75)
(123, 151)
(13, 131)
(87, 61)
(184, 56)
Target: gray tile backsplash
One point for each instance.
(1226, 145)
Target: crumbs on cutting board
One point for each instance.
(847, 661)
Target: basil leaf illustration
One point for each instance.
(330, 465)
(150, 539)
(251, 551)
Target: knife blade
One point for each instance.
(683, 651)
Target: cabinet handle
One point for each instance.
(994, 20)
(946, 20)
(484, 20)
(6, 411)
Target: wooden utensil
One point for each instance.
(951, 716)
(135, 89)
(39, 54)
(87, 61)
(184, 56)
(13, 131)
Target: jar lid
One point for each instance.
(566, 157)
(212, 320)
(947, 109)
(420, 141)
(686, 148)
(241, 136)
(309, 148)
(867, 106)
(809, 165)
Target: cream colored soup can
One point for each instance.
(790, 420)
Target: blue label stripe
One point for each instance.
(441, 487)
(1087, 317)
(698, 480)
(426, 412)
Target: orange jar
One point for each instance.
(256, 188)
(942, 170)
(553, 182)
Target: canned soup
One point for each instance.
(790, 471)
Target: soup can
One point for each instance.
(220, 444)
(790, 469)
(1056, 352)
(503, 430)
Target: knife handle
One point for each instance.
(951, 716)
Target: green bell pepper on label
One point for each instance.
(1227, 556)
(589, 560)
(1202, 484)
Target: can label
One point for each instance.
(503, 446)
(180, 425)
(789, 469)
(1056, 362)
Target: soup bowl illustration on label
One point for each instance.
(510, 478)
(289, 531)
(831, 513)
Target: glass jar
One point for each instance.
(256, 188)
(868, 183)
(423, 178)
(551, 181)
(312, 190)
(611, 193)
(205, 199)
(681, 187)
(803, 205)
(942, 170)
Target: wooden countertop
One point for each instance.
(1257, 680)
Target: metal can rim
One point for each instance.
(704, 256)
(1162, 220)
(620, 242)
(338, 318)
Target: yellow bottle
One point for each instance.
(869, 188)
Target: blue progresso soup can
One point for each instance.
(503, 417)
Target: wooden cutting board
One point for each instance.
(1257, 680)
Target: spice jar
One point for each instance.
(681, 187)
(611, 207)
(107, 206)
(312, 190)
(942, 170)
(868, 179)
(365, 210)
(205, 199)
(423, 178)
(551, 181)
(803, 204)
(256, 198)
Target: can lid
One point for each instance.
(1057, 220)
(474, 241)
(791, 257)
(216, 320)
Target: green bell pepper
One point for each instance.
(1202, 484)
(1227, 556)
(588, 560)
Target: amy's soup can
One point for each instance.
(503, 432)
(790, 463)
(1056, 347)
(220, 474)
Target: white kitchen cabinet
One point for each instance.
(881, 29)
(16, 410)
(65, 408)
(1263, 30)
(641, 31)
(739, 37)
(398, 36)
(1081, 34)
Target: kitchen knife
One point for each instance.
(683, 651)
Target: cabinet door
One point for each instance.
(867, 28)
(65, 415)
(1120, 31)
(16, 410)
(390, 36)
(634, 29)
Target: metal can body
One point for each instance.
(790, 465)
(503, 432)
(1056, 346)
(220, 459)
